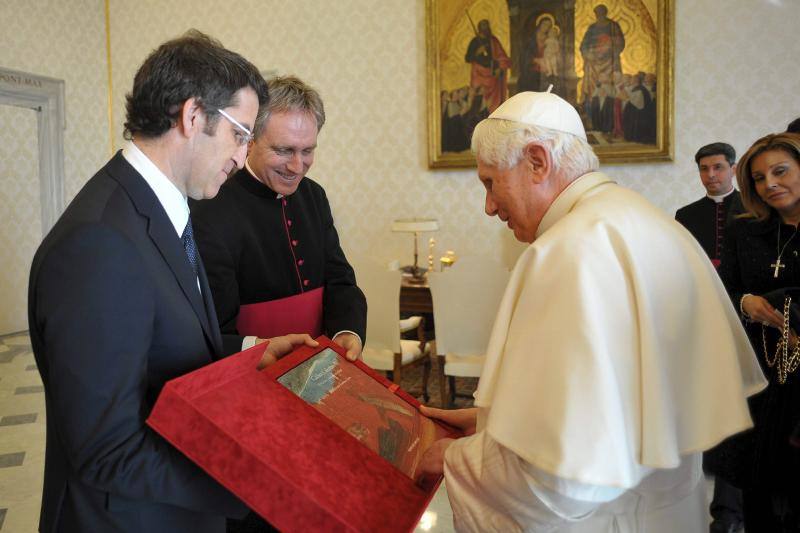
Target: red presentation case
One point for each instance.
(283, 457)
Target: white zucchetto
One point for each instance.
(546, 110)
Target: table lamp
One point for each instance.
(415, 226)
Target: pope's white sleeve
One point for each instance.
(492, 489)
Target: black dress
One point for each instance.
(764, 463)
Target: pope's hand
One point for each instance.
(463, 419)
(280, 346)
(349, 342)
(432, 462)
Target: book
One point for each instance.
(369, 409)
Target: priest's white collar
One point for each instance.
(250, 170)
(720, 197)
(565, 201)
(171, 199)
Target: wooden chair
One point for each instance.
(465, 301)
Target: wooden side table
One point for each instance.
(415, 297)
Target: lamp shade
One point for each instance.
(415, 225)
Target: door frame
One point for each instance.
(46, 96)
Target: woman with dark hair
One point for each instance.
(761, 258)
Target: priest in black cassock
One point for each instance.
(708, 217)
(269, 245)
(268, 240)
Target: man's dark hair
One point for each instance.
(794, 126)
(716, 149)
(191, 66)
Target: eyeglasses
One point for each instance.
(243, 135)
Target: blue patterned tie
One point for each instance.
(189, 245)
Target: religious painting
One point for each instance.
(611, 59)
(367, 410)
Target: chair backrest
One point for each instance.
(382, 289)
(465, 301)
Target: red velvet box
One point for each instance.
(283, 457)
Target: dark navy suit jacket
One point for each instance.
(114, 312)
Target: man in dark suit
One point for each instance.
(708, 217)
(119, 302)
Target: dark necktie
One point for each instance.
(189, 245)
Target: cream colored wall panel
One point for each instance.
(20, 212)
(65, 40)
(367, 58)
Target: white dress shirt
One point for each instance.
(171, 199)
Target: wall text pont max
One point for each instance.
(19, 80)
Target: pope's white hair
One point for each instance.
(500, 143)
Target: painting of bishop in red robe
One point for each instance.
(489, 65)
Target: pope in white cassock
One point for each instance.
(616, 356)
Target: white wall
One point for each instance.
(64, 40)
(367, 58)
(735, 80)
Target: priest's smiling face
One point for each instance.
(515, 197)
(284, 152)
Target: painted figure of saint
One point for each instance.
(489, 65)
(601, 47)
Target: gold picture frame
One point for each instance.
(612, 59)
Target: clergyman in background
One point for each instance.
(708, 217)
